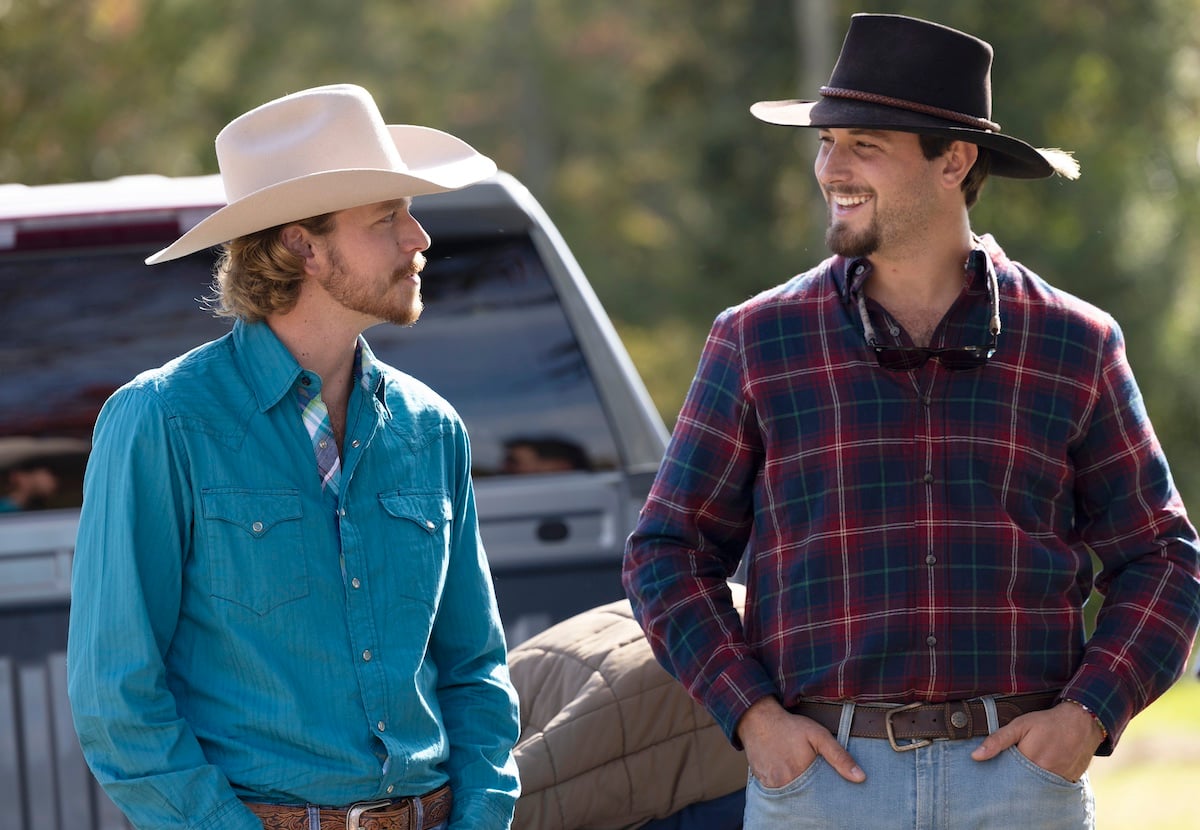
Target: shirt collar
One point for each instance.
(267, 366)
(271, 371)
(370, 375)
(850, 275)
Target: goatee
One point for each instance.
(845, 242)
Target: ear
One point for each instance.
(299, 242)
(957, 162)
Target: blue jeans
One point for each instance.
(937, 787)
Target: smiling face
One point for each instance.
(375, 261)
(883, 194)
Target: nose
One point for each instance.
(830, 164)
(412, 235)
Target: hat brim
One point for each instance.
(1011, 157)
(436, 162)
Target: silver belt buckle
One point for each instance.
(891, 729)
(354, 814)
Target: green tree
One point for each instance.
(630, 122)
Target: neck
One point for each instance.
(918, 289)
(923, 273)
(324, 347)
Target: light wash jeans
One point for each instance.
(938, 787)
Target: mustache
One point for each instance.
(414, 268)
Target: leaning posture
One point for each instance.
(915, 449)
(282, 615)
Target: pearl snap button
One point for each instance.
(257, 527)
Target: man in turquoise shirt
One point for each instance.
(282, 614)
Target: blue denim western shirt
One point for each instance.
(236, 633)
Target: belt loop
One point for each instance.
(314, 817)
(843, 735)
(418, 813)
(989, 706)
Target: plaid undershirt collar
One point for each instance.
(315, 415)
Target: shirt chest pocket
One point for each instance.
(419, 531)
(254, 546)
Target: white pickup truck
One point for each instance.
(564, 437)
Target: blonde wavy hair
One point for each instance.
(256, 275)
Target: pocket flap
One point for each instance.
(428, 511)
(254, 511)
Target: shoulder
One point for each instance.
(807, 295)
(812, 286)
(417, 411)
(404, 392)
(201, 374)
(1045, 307)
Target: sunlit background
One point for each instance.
(629, 122)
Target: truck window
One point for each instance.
(493, 340)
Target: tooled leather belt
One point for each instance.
(393, 814)
(923, 722)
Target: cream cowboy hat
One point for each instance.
(319, 151)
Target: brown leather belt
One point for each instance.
(922, 723)
(390, 814)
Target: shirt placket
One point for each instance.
(931, 547)
(362, 421)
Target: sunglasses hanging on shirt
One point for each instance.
(953, 359)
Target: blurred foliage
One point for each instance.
(630, 123)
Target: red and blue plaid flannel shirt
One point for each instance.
(916, 536)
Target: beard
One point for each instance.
(398, 302)
(851, 244)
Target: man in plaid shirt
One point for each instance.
(914, 449)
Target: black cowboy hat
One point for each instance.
(901, 73)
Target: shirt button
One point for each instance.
(931, 640)
(305, 380)
(381, 726)
(928, 479)
(354, 443)
(367, 655)
(390, 788)
(323, 443)
(429, 524)
(931, 559)
(356, 583)
(342, 512)
(926, 400)
(257, 527)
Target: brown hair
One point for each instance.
(256, 275)
(972, 185)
